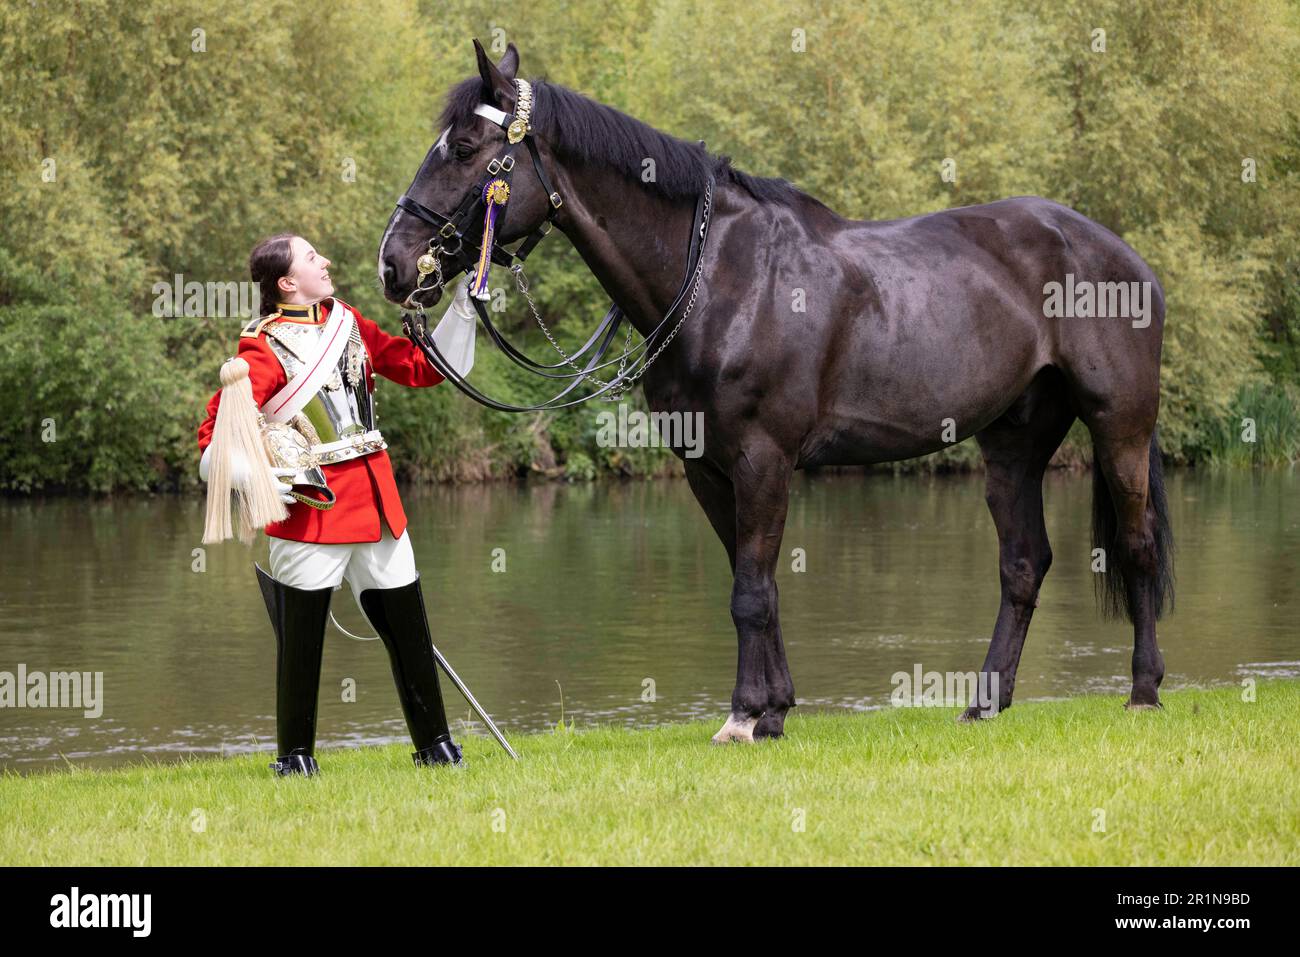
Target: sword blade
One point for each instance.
(473, 703)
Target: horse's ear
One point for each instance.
(498, 83)
(509, 65)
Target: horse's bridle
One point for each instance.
(466, 226)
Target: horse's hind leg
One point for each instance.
(1017, 448)
(1132, 525)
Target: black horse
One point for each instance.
(818, 340)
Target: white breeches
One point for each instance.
(387, 563)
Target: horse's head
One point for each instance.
(457, 162)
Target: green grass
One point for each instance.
(1209, 780)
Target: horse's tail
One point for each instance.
(1112, 592)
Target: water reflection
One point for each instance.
(606, 586)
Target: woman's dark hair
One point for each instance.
(268, 263)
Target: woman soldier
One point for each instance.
(309, 367)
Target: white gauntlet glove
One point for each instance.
(239, 474)
(460, 302)
(282, 476)
(454, 334)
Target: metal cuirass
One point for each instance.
(342, 413)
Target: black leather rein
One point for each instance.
(605, 332)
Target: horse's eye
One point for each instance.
(463, 151)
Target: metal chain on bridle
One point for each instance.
(624, 382)
(460, 228)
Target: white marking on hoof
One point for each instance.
(736, 729)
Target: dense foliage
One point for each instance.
(140, 141)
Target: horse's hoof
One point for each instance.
(975, 714)
(770, 727)
(1132, 705)
(736, 729)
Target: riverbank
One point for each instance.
(540, 457)
(1206, 781)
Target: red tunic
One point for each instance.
(364, 488)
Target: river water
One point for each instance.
(613, 594)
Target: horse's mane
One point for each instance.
(584, 131)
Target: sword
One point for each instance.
(455, 679)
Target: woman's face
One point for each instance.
(308, 280)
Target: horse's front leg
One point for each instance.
(761, 480)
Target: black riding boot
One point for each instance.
(399, 617)
(298, 617)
